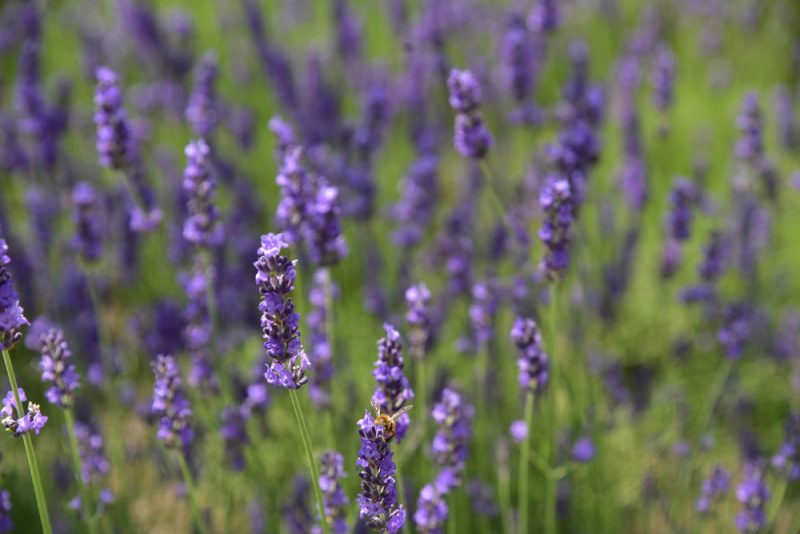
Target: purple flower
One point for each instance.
(519, 58)
(201, 226)
(94, 463)
(170, 405)
(663, 78)
(486, 300)
(284, 135)
(545, 16)
(414, 211)
(234, 434)
(472, 139)
(453, 414)
(57, 369)
(88, 226)
(323, 228)
(419, 319)
(321, 353)
(296, 187)
(735, 332)
(197, 332)
(280, 324)
(431, 513)
(115, 141)
(753, 493)
(583, 451)
(714, 254)
(681, 199)
(518, 431)
(712, 489)
(330, 475)
(532, 362)
(393, 391)
(750, 147)
(11, 313)
(32, 421)
(787, 459)
(556, 201)
(202, 110)
(378, 497)
(6, 524)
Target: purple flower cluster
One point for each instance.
(202, 110)
(681, 200)
(482, 312)
(170, 405)
(197, 333)
(713, 488)
(280, 324)
(378, 497)
(532, 363)
(57, 369)
(321, 353)
(32, 421)
(393, 391)
(753, 494)
(6, 524)
(472, 139)
(419, 319)
(432, 510)
(735, 332)
(201, 227)
(663, 78)
(115, 142)
(556, 201)
(414, 211)
(330, 475)
(296, 187)
(787, 459)
(453, 414)
(11, 313)
(519, 56)
(88, 226)
(545, 16)
(750, 147)
(323, 229)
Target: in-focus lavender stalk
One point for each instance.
(330, 475)
(713, 489)
(12, 318)
(393, 391)
(472, 138)
(280, 324)
(31, 421)
(377, 500)
(202, 110)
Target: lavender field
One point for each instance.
(450, 266)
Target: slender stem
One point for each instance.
(524, 468)
(777, 500)
(77, 466)
(312, 465)
(421, 394)
(188, 481)
(550, 482)
(33, 465)
(504, 494)
(494, 198)
(452, 516)
(97, 307)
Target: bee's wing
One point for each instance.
(375, 407)
(401, 411)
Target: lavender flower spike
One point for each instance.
(431, 511)
(753, 494)
(556, 200)
(170, 405)
(202, 110)
(57, 369)
(11, 313)
(331, 473)
(472, 138)
(376, 468)
(280, 324)
(201, 226)
(393, 391)
(6, 524)
(533, 363)
(115, 142)
(32, 421)
(88, 227)
(454, 416)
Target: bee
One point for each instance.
(388, 422)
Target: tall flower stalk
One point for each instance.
(12, 320)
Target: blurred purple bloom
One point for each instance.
(419, 319)
(321, 353)
(472, 139)
(197, 332)
(453, 415)
(735, 332)
(201, 226)
(583, 451)
(750, 147)
(663, 78)
(323, 228)
(57, 369)
(753, 493)
(417, 204)
(787, 459)
(88, 225)
(533, 362)
(202, 110)
(11, 313)
(556, 201)
(681, 199)
(330, 475)
(115, 141)
(170, 405)
(713, 489)
(518, 431)
(432, 511)
(6, 524)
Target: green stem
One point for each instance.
(188, 481)
(33, 465)
(312, 465)
(77, 466)
(550, 482)
(777, 500)
(524, 468)
(494, 198)
(504, 494)
(102, 338)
